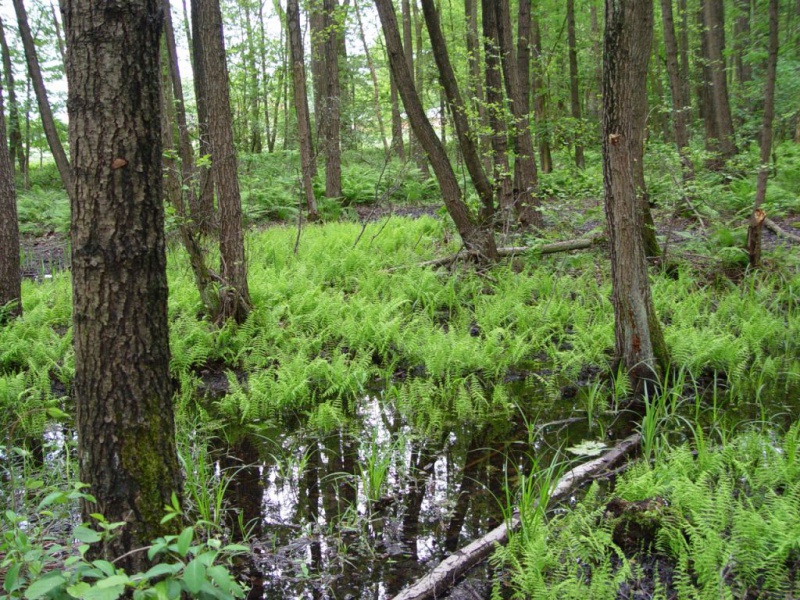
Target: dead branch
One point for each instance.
(447, 572)
(775, 228)
(565, 246)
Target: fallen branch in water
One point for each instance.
(447, 572)
(775, 228)
(566, 246)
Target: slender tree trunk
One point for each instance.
(234, 295)
(301, 105)
(57, 28)
(397, 120)
(122, 386)
(574, 92)
(475, 237)
(414, 152)
(376, 97)
(10, 281)
(331, 104)
(475, 95)
(466, 138)
(525, 201)
(704, 99)
(741, 42)
(679, 102)
(496, 114)
(715, 21)
(48, 123)
(540, 99)
(16, 150)
(597, 56)
(640, 345)
(203, 210)
(683, 51)
(757, 220)
(254, 105)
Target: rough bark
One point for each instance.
(10, 281)
(741, 42)
(331, 104)
(122, 386)
(526, 177)
(473, 236)
(203, 210)
(234, 296)
(458, 110)
(540, 99)
(495, 113)
(574, 92)
(758, 217)
(640, 345)
(398, 147)
(16, 150)
(715, 22)
(679, 102)
(48, 123)
(414, 151)
(301, 105)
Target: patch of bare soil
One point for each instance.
(45, 255)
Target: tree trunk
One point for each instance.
(679, 102)
(203, 210)
(234, 294)
(57, 28)
(495, 111)
(683, 52)
(10, 281)
(414, 152)
(741, 42)
(474, 237)
(525, 201)
(475, 96)
(540, 99)
(757, 220)
(704, 100)
(574, 93)
(48, 123)
(397, 120)
(597, 56)
(301, 106)
(466, 137)
(331, 104)
(640, 345)
(376, 97)
(16, 150)
(122, 386)
(715, 21)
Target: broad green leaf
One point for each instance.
(34, 484)
(86, 535)
(57, 413)
(51, 498)
(12, 577)
(45, 585)
(162, 569)
(194, 575)
(104, 593)
(113, 581)
(105, 566)
(79, 589)
(185, 540)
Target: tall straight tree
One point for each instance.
(203, 209)
(10, 282)
(122, 387)
(758, 217)
(574, 92)
(35, 73)
(16, 151)
(639, 341)
(476, 237)
(713, 12)
(526, 179)
(301, 105)
(539, 88)
(331, 103)
(234, 294)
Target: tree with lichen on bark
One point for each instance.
(122, 386)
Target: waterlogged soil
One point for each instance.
(363, 511)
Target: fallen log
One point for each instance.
(776, 229)
(565, 246)
(447, 572)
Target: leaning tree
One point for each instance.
(122, 387)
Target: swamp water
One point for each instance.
(363, 511)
